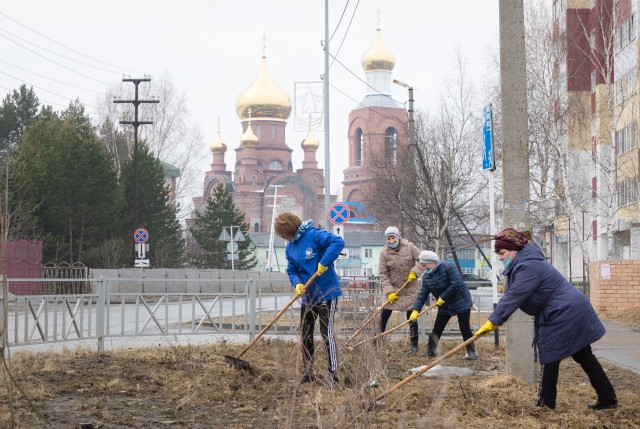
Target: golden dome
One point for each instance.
(249, 139)
(264, 97)
(378, 57)
(310, 142)
(218, 146)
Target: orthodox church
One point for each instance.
(263, 173)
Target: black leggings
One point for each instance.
(385, 314)
(463, 323)
(590, 365)
(308, 315)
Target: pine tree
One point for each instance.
(219, 213)
(155, 211)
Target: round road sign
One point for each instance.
(339, 213)
(141, 235)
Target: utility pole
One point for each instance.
(273, 219)
(515, 167)
(136, 123)
(427, 175)
(325, 100)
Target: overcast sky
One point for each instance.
(212, 50)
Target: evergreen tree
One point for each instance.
(221, 212)
(155, 211)
(72, 186)
(18, 111)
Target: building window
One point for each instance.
(626, 84)
(390, 144)
(627, 191)
(368, 253)
(258, 131)
(359, 146)
(256, 227)
(275, 165)
(626, 33)
(626, 139)
(273, 132)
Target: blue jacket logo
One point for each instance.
(309, 254)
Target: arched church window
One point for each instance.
(253, 180)
(390, 144)
(275, 165)
(273, 132)
(256, 227)
(359, 137)
(258, 131)
(290, 166)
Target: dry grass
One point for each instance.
(194, 387)
(629, 316)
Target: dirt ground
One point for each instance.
(195, 387)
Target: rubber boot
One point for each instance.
(413, 349)
(413, 335)
(432, 345)
(471, 352)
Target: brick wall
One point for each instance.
(615, 285)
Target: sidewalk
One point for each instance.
(620, 345)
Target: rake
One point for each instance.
(374, 315)
(243, 364)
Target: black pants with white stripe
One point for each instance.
(325, 312)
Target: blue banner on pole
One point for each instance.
(488, 157)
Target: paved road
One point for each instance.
(620, 345)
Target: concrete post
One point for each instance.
(515, 167)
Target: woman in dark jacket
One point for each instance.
(443, 280)
(565, 322)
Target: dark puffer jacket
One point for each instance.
(565, 321)
(445, 282)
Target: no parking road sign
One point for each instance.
(339, 214)
(140, 235)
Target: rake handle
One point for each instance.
(406, 322)
(427, 368)
(280, 313)
(364, 325)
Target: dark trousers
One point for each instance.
(413, 326)
(309, 313)
(463, 323)
(547, 392)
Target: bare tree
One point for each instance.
(173, 137)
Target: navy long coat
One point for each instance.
(565, 321)
(445, 282)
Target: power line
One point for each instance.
(45, 90)
(56, 53)
(358, 77)
(50, 78)
(345, 33)
(367, 107)
(66, 47)
(339, 21)
(49, 59)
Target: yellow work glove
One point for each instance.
(440, 302)
(321, 269)
(414, 315)
(412, 276)
(486, 328)
(392, 297)
(300, 289)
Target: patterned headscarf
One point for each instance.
(510, 239)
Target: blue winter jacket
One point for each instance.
(445, 282)
(309, 248)
(565, 321)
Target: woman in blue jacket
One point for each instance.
(309, 251)
(565, 322)
(443, 280)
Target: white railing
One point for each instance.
(102, 313)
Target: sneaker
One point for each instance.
(413, 350)
(333, 377)
(605, 405)
(471, 356)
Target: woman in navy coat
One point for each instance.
(443, 280)
(565, 322)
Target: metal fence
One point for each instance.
(103, 312)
